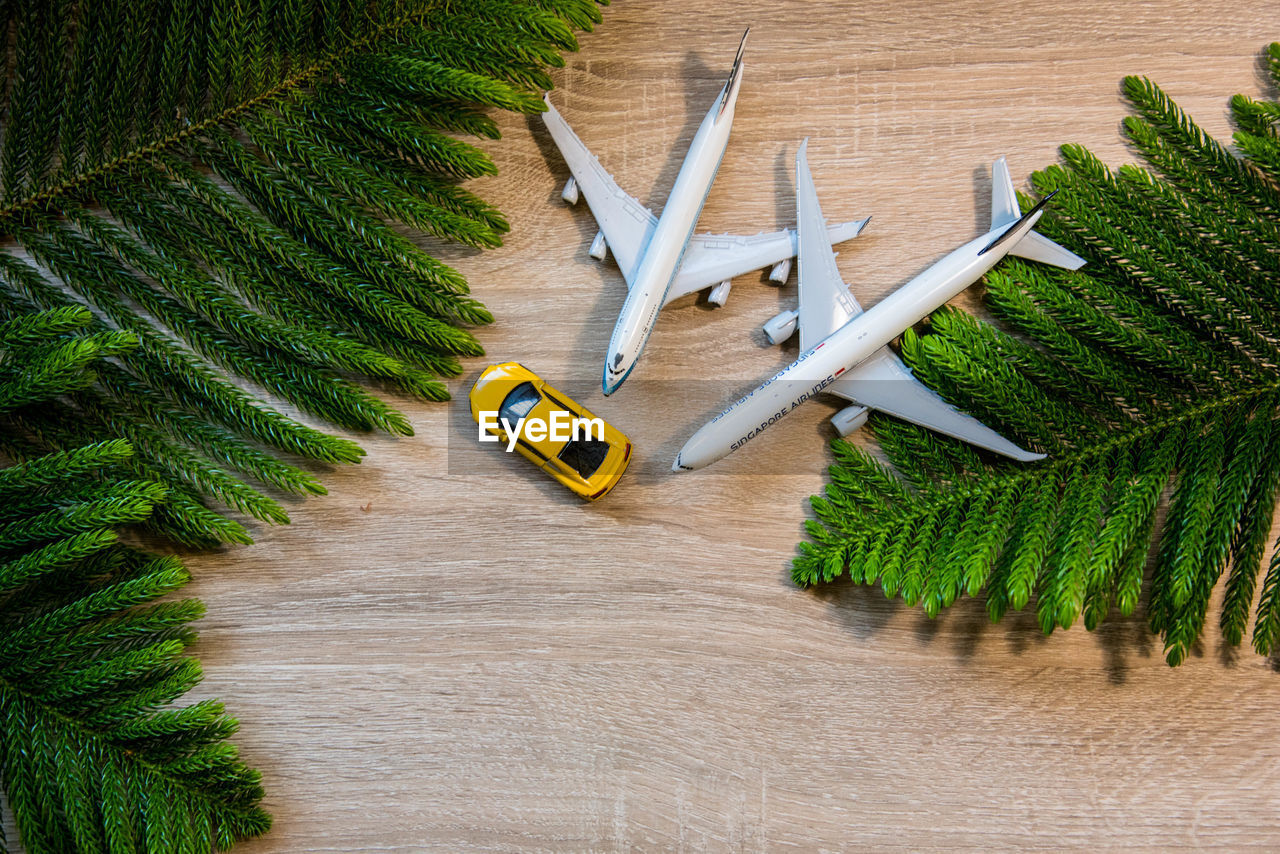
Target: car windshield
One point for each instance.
(584, 455)
(519, 403)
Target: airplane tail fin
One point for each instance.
(730, 92)
(1004, 199)
(1006, 212)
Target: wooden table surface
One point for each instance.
(450, 653)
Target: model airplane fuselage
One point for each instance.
(853, 360)
(670, 240)
(660, 257)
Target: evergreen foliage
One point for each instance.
(198, 203)
(1152, 369)
(222, 181)
(92, 755)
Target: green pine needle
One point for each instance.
(87, 665)
(1151, 368)
(146, 308)
(295, 281)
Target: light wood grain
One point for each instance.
(449, 653)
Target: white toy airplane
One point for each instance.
(845, 350)
(660, 257)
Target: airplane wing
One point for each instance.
(825, 301)
(626, 224)
(714, 258)
(883, 382)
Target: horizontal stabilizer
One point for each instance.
(1036, 247)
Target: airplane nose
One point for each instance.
(611, 380)
(693, 454)
(615, 372)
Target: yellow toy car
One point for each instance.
(513, 405)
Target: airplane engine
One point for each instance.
(849, 419)
(781, 326)
(599, 249)
(719, 294)
(778, 275)
(570, 192)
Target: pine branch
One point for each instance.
(138, 295)
(311, 285)
(86, 667)
(1153, 367)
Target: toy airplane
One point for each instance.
(845, 350)
(660, 257)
